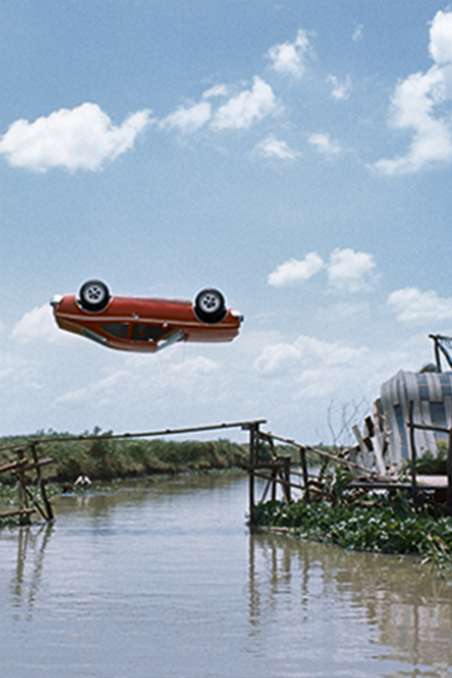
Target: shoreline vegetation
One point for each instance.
(103, 459)
(386, 523)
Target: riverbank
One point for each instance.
(102, 459)
(385, 525)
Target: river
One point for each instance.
(163, 580)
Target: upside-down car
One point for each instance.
(144, 324)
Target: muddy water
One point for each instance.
(165, 581)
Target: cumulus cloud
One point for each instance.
(240, 110)
(340, 90)
(294, 270)
(347, 270)
(351, 271)
(411, 305)
(247, 107)
(421, 104)
(189, 119)
(81, 138)
(102, 391)
(271, 147)
(324, 144)
(291, 57)
(36, 325)
(192, 376)
(303, 353)
(441, 38)
(221, 90)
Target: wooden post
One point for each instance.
(304, 468)
(449, 475)
(24, 514)
(437, 355)
(253, 459)
(274, 483)
(413, 455)
(40, 483)
(286, 477)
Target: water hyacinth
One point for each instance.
(387, 526)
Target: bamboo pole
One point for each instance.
(24, 518)
(304, 468)
(325, 455)
(16, 512)
(287, 484)
(146, 434)
(412, 453)
(12, 466)
(449, 475)
(252, 462)
(40, 484)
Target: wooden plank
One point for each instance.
(33, 465)
(17, 512)
(281, 481)
(322, 453)
(12, 465)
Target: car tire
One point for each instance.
(210, 306)
(94, 296)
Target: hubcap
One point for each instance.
(210, 303)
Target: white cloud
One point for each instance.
(324, 144)
(189, 119)
(193, 368)
(315, 368)
(102, 391)
(348, 271)
(293, 271)
(242, 110)
(194, 376)
(441, 38)
(290, 57)
(37, 325)
(351, 271)
(419, 104)
(358, 33)
(277, 357)
(216, 91)
(270, 147)
(411, 305)
(341, 90)
(81, 138)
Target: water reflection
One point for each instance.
(408, 608)
(31, 547)
(132, 575)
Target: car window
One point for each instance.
(117, 330)
(149, 332)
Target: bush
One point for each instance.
(387, 526)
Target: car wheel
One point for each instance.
(94, 296)
(210, 306)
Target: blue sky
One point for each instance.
(296, 155)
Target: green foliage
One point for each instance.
(429, 367)
(387, 525)
(428, 463)
(101, 458)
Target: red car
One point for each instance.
(144, 324)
